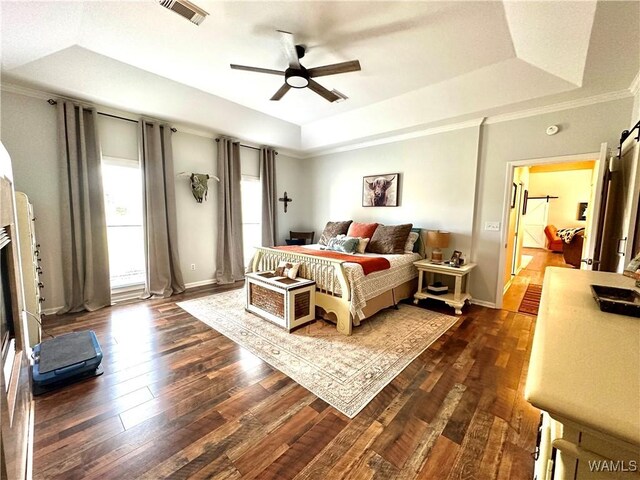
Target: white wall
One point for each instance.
(570, 187)
(29, 132)
(582, 130)
(437, 184)
(196, 221)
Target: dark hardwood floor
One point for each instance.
(179, 400)
(533, 272)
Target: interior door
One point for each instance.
(534, 221)
(631, 179)
(591, 247)
(619, 209)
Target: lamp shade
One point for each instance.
(438, 239)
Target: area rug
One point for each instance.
(531, 300)
(345, 371)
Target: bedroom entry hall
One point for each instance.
(549, 217)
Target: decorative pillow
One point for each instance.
(343, 244)
(389, 239)
(411, 240)
(333, 229)
(362, 230)
(362, 243)
(287, 269)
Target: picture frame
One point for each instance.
(514, 195)
(525, 201)
(381, 190)
(582, 210)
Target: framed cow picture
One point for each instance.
(381, 190)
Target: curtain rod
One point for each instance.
(51, 101)
(246, 146)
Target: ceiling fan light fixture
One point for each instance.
(296, 78)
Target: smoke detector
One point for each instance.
(185, 9)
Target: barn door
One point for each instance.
(534, 221)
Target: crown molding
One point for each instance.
(27, 92)
(182, 128)
(386, 138)
(557, 107)
(634, 88)
(392, 138)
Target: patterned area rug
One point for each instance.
(345, 371)
(531, 300)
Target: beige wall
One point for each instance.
(570, 187)
(29, 132)
(582, 130)
(443, 186)
(635, 116)
(437, 184)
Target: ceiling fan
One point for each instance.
(297, 76)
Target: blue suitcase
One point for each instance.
(65, 359)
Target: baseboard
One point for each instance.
(200, 283)
(51, 311)
(507, 285)
(482, 303)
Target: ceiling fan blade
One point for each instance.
(323, 92)
(256, 69)
(289, 48)
(344, 67)
(281, 91)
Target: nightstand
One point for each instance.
(460, 294)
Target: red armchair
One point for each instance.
(554, 242)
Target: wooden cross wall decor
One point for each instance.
(286, 201)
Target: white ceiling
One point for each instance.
(422, 62)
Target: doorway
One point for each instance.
(545, 195)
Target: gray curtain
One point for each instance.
(269, 196)
(229, 253)
(85, 254)
(164, 277)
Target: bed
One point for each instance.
(343, 292)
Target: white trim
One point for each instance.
(482, 303)
(507, 285)
(126, 294)
(29, 92)
(386, 138)
(506, 205)
(634, 88)
(200, 283)
(182, 128)
(51, 311)
(556, 107)
(391, 138)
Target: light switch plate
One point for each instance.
(492, 226)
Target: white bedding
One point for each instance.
(364, 287)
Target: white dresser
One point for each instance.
(31, 269)
(584, 374)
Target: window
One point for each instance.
(251, 215)
(122, 183)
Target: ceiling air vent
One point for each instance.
(185, 9)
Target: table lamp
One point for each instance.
(437, 240)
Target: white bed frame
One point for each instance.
(328, 273)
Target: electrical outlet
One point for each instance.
(492, 226)
(193, 266)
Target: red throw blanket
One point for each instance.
(368, 264)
